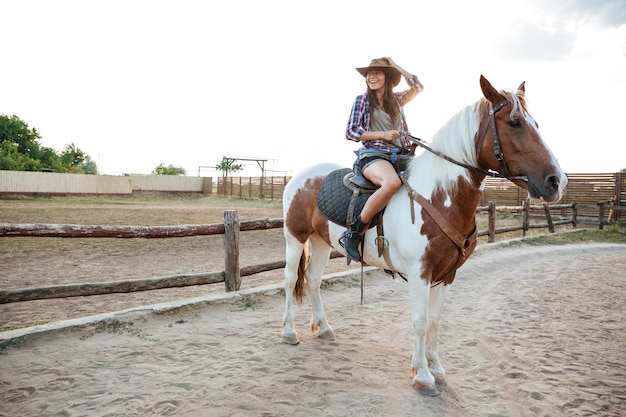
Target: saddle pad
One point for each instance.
(334, 198)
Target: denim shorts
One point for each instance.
(369, 160)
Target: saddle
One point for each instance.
(343, 195)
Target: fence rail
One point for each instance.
(232, 274)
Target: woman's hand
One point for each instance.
(390, 135)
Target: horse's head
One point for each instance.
(509, 142)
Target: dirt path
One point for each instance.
(527, 331)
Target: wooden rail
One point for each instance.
(525, 209)
(231, 228)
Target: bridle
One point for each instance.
(491, 122)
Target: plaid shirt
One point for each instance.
(359, 122)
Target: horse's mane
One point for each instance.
(455, 139)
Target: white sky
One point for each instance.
(138, 83)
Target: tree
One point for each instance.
(12, 160)
(72, 158)
(16, 131)
(88, 166)
(168, 170)
(228, 165)
(20, 150)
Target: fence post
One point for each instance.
(492, 222)
(546, 208)
(601, 214)
(574, 215)
(525, 217)
(232, 275)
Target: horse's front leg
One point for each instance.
(423, 379)
(435, 309)
(320, 253)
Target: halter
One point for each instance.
(491, 122)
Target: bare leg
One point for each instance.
(384, 175)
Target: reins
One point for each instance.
(496, 149)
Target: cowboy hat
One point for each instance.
(383, 65)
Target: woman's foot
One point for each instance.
(351, 239)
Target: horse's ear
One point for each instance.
(489, 92)
(522, 87)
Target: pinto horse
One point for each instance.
(430, 224)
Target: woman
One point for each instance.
(377, 121)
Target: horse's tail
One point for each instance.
(298, 291)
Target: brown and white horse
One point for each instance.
(495, 135)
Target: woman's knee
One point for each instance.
(392, 183)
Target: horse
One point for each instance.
(429, 224)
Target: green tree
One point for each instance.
(72, 158)
(168, 170)
(228, 165)
(12, 160)
(50, 159)
(88, 166)
(16, 131)
(20, 150)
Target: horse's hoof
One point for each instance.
(427, 390)
(440, 381)
(291, 339)
(327, 335)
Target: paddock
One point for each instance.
(530, 331)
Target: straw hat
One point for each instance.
(383, 65)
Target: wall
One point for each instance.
(26, 182)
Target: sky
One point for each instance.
(137, 83)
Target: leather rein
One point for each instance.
(497, 150)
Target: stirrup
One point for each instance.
(350, 234)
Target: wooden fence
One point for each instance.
(583, 189)
(232, 274)
(252, 187)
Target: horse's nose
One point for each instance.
(553, 186)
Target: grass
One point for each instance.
(249, 303)
(611, 235)
(352, 282)
(12, 343)
(114, 326)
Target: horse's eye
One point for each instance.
(515, 123)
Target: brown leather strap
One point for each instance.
(380, 238)
(455, 236)
(350, 216)
(462, 242)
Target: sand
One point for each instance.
(527, 331)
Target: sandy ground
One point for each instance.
(528, 331)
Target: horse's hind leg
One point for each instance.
(435, 310)
(294, 252)
(320, 253)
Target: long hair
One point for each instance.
(390, 101)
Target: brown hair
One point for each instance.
(390, 101)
